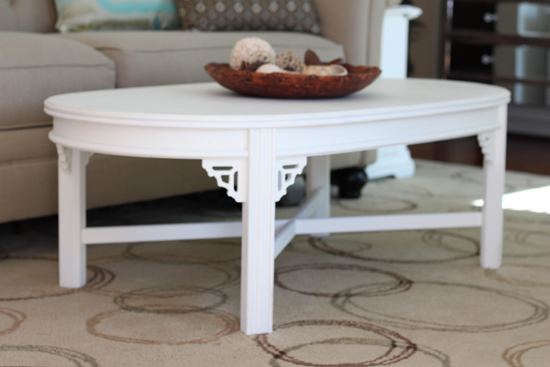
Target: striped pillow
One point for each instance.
(84, 15)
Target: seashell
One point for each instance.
(311, 58)
(290, 61)
(339, 70)
(262, 56)
(253, 67)
(270, 68)
(249, 50)
(325, 70)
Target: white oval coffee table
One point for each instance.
(262, 144)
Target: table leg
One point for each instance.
(72, 217)
(318, 177)
(493, 145)
(258, 234)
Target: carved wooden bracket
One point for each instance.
(287, 170)
(226, 174)
(65, 157)
(230, 175)
(487, 142)
(87, 156)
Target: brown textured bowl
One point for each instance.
(280, 85)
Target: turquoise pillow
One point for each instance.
(85, 15)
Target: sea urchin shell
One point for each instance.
(250, 50)
(290, 61)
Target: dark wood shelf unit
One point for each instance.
(531, 121)
(469, 54)
(484, 78)
(463, 26)
(493, 39)
(501, 1)
(469, 32)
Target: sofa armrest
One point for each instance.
(357, 25)
(34, 67)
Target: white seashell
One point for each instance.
(339, 70)
(249, 50)
(270, 68)
(325, 70)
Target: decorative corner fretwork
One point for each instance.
(226, 174)
(287, 170)
(487, 142)
(87, 156)
(64, 155)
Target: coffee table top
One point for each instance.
(206, 120)
(210, 105)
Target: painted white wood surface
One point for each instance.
(265, 142)
(72, 217)
(493, 145)
(258, 239)
(302, 223)
(199, 121)
(210, 106)
(318, 183)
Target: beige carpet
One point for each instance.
(413, 298)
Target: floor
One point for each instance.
(413, 298)
(524, 153)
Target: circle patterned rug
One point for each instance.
(404, 299)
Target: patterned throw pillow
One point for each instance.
(244, 15)
(82, 15)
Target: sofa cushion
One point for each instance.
(239, 15)
(34, 67)
(157, 58)
(21, 144)
(81, 15)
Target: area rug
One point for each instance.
(407, 298)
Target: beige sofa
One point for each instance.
(36, 62)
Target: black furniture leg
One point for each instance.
(350, 181)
